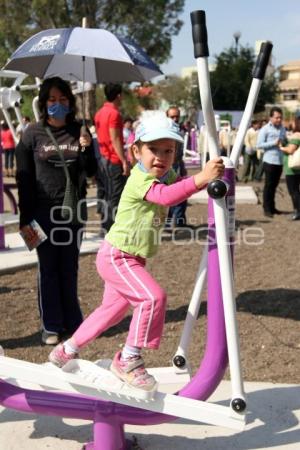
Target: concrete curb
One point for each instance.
(17, 256)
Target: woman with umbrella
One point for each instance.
(52, 158)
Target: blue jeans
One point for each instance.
(57, 274)
(114, 182)
(9, 155)
(178, 213)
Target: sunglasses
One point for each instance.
(174, 117)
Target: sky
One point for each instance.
(275, 20)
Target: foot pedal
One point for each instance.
(104, 380)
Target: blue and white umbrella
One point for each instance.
(86, 54)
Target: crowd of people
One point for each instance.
(267, 147)
(265, 156)
(8, 144)
(142, 186)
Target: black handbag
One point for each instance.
(73, 209)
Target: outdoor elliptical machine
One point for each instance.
(111, 410)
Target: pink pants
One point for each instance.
(127, 283)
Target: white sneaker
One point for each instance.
(50, 338)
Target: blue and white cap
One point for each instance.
(156, 127)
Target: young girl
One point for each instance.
(121, 259)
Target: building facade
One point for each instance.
(289, 85)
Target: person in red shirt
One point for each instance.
(8, 145)
(113, 165)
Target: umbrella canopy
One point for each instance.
(61, 52)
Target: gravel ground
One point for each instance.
(267, 294)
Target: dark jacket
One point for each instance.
(40, 175)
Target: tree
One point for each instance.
(22, 18)
(182, 92)
(125, 18)
(231, 80)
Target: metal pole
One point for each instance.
(2, 232)
(219, 207)
(258, 76)
(35, 108)
(83, 128)
(180, 358)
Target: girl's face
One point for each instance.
(56, 96)
(157, 156)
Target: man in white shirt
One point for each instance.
(250, 156)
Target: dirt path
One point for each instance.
(267, 289)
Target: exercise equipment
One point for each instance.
(191, 155)
(111, 410)
(11, 99)
(201, 52)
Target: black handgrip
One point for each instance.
(262, 60)
(217, 189)
(199, 32)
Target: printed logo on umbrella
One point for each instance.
(46, 43)
(134, 52)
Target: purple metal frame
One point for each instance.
(2, 239)
(109, 418)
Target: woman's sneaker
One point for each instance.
(50, 338)
(132, 371)
(59, 357)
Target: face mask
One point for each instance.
(58, 111)
(143, 169)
